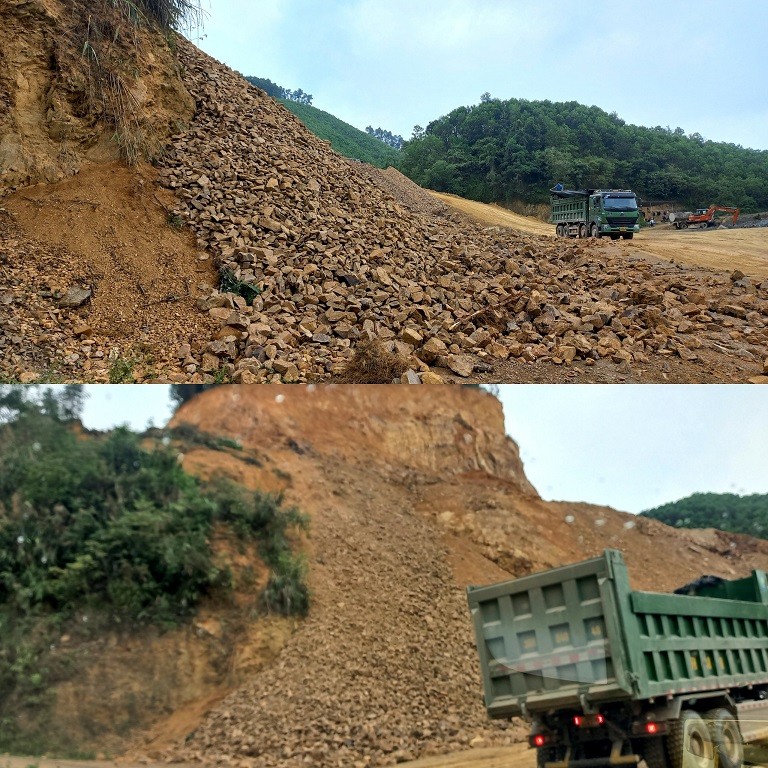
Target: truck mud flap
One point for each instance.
(615, 758)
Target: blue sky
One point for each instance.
(698, 65)
(630, 447)
(634, 447)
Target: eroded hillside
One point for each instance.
(412, 497)
(338, 253)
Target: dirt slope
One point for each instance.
(339, 252)
(412, 496)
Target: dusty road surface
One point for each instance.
(727, 249)
(495, 215)
(722, 249)
(517, 756)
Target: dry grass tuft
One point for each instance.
(372, 364)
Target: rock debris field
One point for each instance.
(340, 252)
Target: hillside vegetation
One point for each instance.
(378, 148)
(726, 511)
(500, 151)
(98, 532)
(344, 138)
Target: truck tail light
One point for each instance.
(539, 740)
(588, 721)
(649, 728)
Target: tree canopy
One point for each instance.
(500, 151)
(279, 92)
(726, 511)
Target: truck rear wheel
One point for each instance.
(726, 738)
(594, 231)
(689, 744)
(582, 231)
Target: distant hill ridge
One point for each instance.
(726, 511)
(343, 137)
(502, 151)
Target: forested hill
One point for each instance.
(499, 151)
(344, 138)
(726, 511)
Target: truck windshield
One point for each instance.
(620, 203)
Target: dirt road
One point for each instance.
(720, 249)
(517, 756)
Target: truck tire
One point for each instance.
(689, 744)
(726, 738)
(594, 231)
(629, 235)
(582, 231)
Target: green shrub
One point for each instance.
(104, 527)
(286, 591)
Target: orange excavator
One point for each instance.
(704, 217)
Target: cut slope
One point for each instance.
(384, 668)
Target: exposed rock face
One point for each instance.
(447, 433)
(48, 127)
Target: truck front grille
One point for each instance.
(621, 221)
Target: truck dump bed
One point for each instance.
(578, 635)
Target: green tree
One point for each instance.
(726, 511)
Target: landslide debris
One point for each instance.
(339, 253)
(384, 669)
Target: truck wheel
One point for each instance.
(582, 231)
(689, 744)
(594, 231)
(726, 738)
(559, 230)
(629, 235)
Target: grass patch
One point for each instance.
(229, 283)
(190, 434)
(121, 371)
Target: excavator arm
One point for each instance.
(724, 209)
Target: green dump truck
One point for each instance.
(594, 212)
(609, 676)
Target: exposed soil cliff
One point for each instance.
(81, 83)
